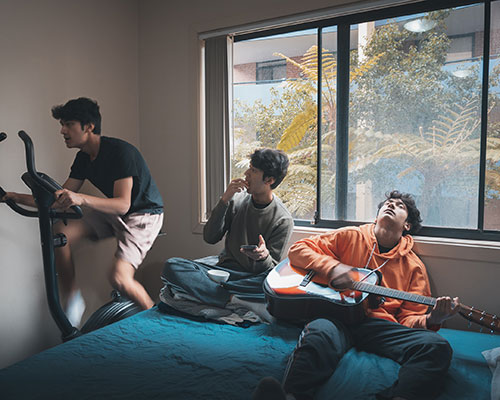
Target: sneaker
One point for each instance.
(75, 309)
(269, 389)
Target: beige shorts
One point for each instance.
(135, 233)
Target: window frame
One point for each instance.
(343, 24)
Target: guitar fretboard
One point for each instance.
(393, 293)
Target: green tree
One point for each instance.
(428, 118)
(409, 116)
(260, 125)
(289, 123)
(408, 86)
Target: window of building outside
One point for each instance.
(417, 116)
(274, 70)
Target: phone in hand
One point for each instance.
(248, 246)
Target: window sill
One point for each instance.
(458, 249)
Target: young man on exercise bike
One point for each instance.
(132, 211)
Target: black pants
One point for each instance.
(424, 356)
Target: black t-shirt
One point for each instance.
(116, 160)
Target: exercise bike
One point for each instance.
(43, 188)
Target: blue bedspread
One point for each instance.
(157, 356)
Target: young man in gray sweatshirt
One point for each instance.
(247, 214)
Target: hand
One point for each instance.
(444, 308)
(260, 253)
(18, 198)
(7, 196)
(340, 277)
(235, 186)
(66, 198)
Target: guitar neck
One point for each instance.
(393, 293)
(492, 322)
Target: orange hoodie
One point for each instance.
(352, 246)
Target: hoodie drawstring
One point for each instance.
(368, 262)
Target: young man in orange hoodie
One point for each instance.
(399, 330)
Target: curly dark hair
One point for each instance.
(413, 213)
(274, 163)
(83, 110)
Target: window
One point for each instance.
(403, 98)
(261, 113)
(415, 115)
(274, 70)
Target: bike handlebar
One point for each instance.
(41, 180)
(30, 154)
(44, 180)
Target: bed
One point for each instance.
(159, 355)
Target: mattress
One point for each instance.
(157, 355)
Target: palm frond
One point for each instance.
(300, 125)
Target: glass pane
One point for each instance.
(328, 122)
(274, 106)
(492, 189)
(415, 107)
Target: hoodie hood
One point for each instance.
(404, 246)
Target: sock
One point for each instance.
(75, 308)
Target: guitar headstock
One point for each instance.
(489, 321)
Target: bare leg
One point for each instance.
(122, 279)
(74, 232)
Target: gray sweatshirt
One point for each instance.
(243, 223)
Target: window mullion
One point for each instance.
(484, 116)
(342, 142)
(317, 214)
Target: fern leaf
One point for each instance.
(298, 128)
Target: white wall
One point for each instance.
(140, 60)
(51, 51)
(169, 70)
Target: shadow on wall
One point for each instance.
(92, 263)
(149, 275)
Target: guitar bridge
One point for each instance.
(307, 278)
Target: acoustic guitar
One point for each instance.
(292, 295)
